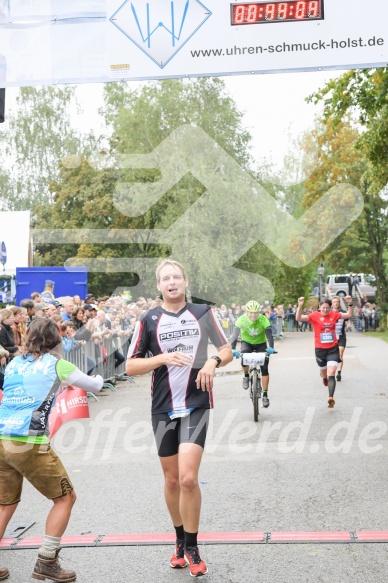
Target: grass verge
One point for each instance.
(381, 335)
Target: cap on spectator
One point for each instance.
(89, 307)
(89, 296)
(41, 307)
(56, 303)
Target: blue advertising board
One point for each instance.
(57, 281)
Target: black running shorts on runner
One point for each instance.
(325, 355)
(170, 433)
(342, 340)
(246, 348)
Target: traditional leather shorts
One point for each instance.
(38, 463)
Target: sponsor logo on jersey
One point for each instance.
(168, 324)
(193, 321)
(19, 397)
(11, 422)
(18, 400)
(179, 334)
(181, 348)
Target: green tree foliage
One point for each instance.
(83, 196)
(338, 161)
(363, 95)
(288, 187)
(139, 119)
(142, 118)
(36, 136)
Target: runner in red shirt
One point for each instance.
(326, 342)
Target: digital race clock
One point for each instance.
(263, 12)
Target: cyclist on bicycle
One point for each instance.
(256, 336)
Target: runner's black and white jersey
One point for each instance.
(188, 331)
(340, 329)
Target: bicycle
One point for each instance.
(255, 360)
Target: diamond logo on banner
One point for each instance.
(160, 31)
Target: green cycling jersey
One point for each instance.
(253, 332)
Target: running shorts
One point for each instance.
(170, 433)
(325, 355)
(342, 340)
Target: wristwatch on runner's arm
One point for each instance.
(218, 359)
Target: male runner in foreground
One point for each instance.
(176, 335)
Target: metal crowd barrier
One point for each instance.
(104, 357)
(122, 344)
(77, 357)
(103, 354)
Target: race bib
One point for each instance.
(327, 337)
(181, 412)
(253, 358)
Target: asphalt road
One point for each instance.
(302, 467)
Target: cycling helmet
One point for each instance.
(252, 306)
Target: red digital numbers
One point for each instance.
(253, 10)
(314, 9)
(270, 11)
(294, 10)
(239, 14)
(300, 10)
(282, 10)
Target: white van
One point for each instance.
(337, 285)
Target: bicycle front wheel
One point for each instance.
(255, 395)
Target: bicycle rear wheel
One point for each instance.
(255, 395)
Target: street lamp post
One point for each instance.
(321, 271)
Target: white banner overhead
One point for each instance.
(77, 41)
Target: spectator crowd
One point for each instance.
(89, 322)
(94, 320)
